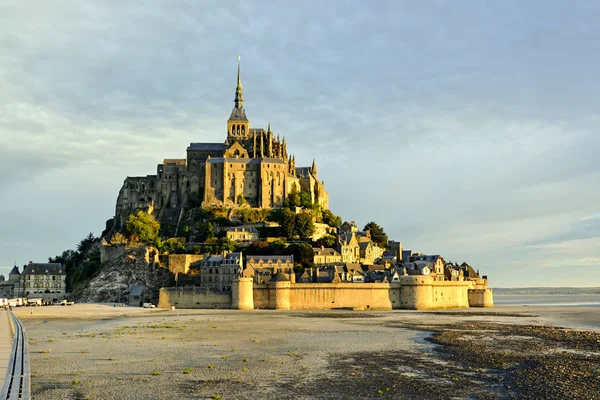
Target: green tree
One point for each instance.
(118, 238)
(226, 244)
(304, 225)
(206, 231)
(288, 222)
(294, 198)
(86, 243)
(172, 246)
(327, 241)
(141, 227)
(378, 235)
(305, 200)
(330, 219)
(302, 252)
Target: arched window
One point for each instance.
(243, 130)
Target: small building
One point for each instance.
(325, 255)
(217, 271)
(242, 234)
(136, 296)
(265, 267)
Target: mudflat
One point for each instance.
(95, 351)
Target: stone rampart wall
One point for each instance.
(190, 297)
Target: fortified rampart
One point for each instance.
(415, 292)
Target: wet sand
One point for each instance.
(98, 352)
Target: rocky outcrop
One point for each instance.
(122, 270)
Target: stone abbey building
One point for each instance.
(251, 167)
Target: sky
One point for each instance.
(468, 129)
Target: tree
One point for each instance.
(294, 198)
(302, 252)
(327, 241)
(118, 238)
(305, 200)
(86, 243)
(141, 227)
(288, 222)
(205, 232)
(304, 225)
(377, 234)
(330, 219)
(172, 246)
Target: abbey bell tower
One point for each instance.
(238, 125)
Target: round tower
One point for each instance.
(242, 296)
(416, 292)
(280, 287)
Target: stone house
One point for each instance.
(325, 255)
(39, 278)
(242, 234)
(369, 252)
(265, 267)
(217, 271)
(437, 265)
(347, 246)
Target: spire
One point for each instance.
(238, 90)
(269, 127)
(238, 113)
(313, 169)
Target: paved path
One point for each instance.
(6, 341)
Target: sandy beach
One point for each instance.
(94, 351)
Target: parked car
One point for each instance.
(148, 305)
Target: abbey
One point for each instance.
(251, 168)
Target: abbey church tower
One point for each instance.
(251, 168)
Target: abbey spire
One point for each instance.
(239, 100)
(238, 125)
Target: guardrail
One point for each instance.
(17, 383)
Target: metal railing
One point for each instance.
(17, 382)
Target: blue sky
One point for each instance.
(468, 129)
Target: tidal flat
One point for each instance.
(94, 351)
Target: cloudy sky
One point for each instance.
(468, 129)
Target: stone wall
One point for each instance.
(417, 292)
(180, 263)
(191, 297)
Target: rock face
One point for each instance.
(122, 270)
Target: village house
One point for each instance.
(435, 263)
(44, 278)
(324, 256)
(265, 267)
(242, 234)
(217, 271)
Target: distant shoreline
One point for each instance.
(548, 290)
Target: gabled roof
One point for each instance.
(44, 269)
(14, 271)
(279, 277)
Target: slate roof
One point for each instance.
(238, 114)
(237, 229)
(279, 277)
(44, 269)
(136, 290)
(206, 146)
(14, 271)
(326, 251)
